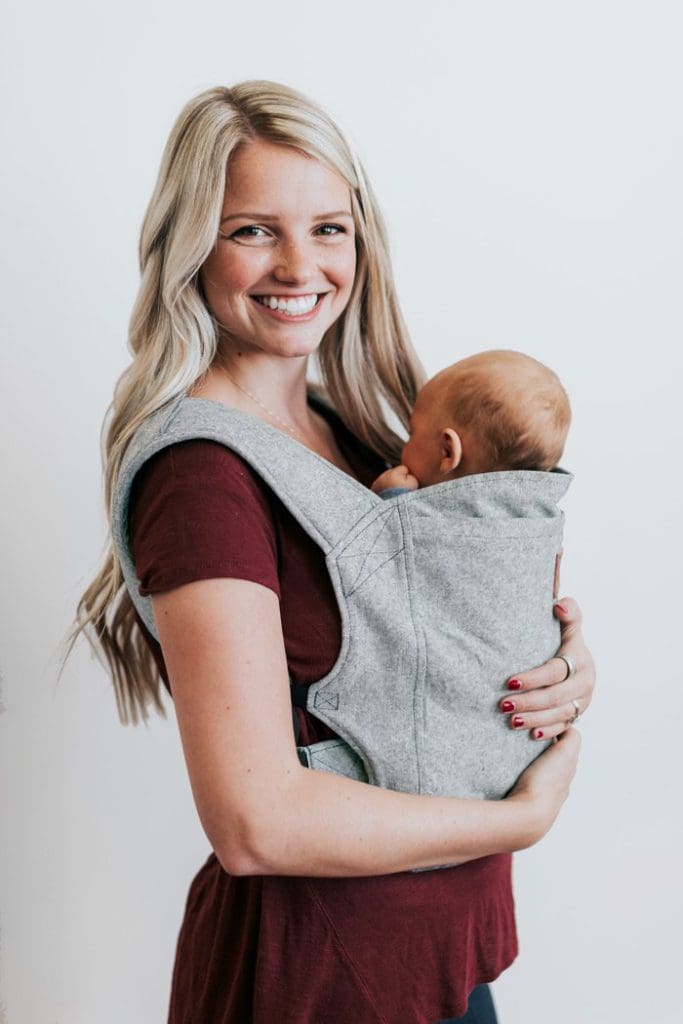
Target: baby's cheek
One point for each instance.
(410, 462)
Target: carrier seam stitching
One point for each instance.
(356, 586)
(419, 644)
(382, 513)
(374, 544)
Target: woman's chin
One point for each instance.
(289, 343)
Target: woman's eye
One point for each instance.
(329, 230)
(247, 232)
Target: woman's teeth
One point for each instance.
(293, 307)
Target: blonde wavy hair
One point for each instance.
(364, 359)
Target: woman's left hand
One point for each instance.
(542, 700)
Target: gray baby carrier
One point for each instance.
(443, 592)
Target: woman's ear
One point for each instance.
(450, 450)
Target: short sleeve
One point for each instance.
(198, 511)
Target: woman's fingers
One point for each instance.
(548, 674)
(569, 746)
(545, 705)
(549, 732)
(543, 697)
(567, 611)
(544, 724)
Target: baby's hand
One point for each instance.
(399, 476)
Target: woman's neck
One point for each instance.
(274, 388)
(294, 417)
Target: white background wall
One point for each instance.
(528, 159)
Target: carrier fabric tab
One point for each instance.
(444, 593)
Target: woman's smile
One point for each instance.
(290, 307)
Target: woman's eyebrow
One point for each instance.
(248, 215)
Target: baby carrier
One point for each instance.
(443, 592)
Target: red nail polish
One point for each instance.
(539, 734)
(561, 607)
(517, 722)
(507, 705)
(514, 684)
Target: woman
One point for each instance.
(263, 245)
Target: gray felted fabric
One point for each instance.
(444, 593)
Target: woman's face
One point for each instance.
(284, 263)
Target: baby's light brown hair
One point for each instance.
(513, 405)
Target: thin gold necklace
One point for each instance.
(288, 427)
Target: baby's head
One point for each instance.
(497, 410)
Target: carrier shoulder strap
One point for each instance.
(324, 499)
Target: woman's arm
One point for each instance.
(266, 814)
(541, 700)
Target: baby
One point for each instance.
(497, 410)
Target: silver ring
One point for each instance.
(570, 663)
(577, 711)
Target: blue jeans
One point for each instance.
(480, 1009)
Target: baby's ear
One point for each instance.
(451, 450)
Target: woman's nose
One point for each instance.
(294, 264)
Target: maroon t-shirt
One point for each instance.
(393, 949)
